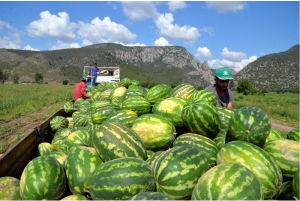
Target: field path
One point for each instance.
(281, 126)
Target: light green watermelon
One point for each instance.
(10, 188)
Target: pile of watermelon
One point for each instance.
(128, 142)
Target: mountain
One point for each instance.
(171, 65)
(278, 71)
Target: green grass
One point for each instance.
(279, 107)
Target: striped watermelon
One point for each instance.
(114, 140)
(274, 135)
(228, 181)
(60, 156)
(120, 179)
(97, 103)
(43, 178)
(205, 95)
(249, 124)
(58, 122)
(135, 83)
(79, 166)
(137, 104)
(125, 82)
(95, 95)
(118, 101)
(126, 117)
(201, 118)
(184, 90)
(158, 92)
(60, 143)
(294, 134)
(81, 120)
(285, 192)
(295, 184)
(170, 108)
(222, 138)
(257, 161)
(151, 158)
(71, 122)
(207, 146)
(10, 188)
(156, 131)
(100, 114)
(151, 196)
(79, 137)
(105, 94)
(117, 92)
(177, 170)
(45, 148)
(286, 154)
(75, 197)
(225, 115)
(135, 91)
(69, 107)
(62, 132)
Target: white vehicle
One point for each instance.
(105, 74)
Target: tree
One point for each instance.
(38, 78)
(15, 77)
(65, 82)
(231, 85)
(4, 76)
(245, 87)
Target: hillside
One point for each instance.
(277, 71)
(169, 64)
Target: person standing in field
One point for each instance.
(220, 88)
(94, 73)
(79, 91)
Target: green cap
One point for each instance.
(223, 73)
(83, 79)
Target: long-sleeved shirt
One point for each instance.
(79, 91)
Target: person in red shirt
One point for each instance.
(79, 91)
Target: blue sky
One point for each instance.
(230, 34)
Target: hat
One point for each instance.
(83, 79)
(223, 73)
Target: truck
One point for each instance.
(105, 74)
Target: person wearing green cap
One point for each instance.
(79, 91)
(220, 88)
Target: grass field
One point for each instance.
(19, 102)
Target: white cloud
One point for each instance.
(187, 34)
(139, 10)
(28, 47)
(12, 38)
(237, 66)
(131, 45)
(208, 30)
(174, 5)
(233, 56)
(161, 42)
(63, 45)
(8, 43)
(58, 27)
(226, 6)
(203, 52)
(103, 31)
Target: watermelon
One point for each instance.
(79, 137)
(274, 135)
(79, 166)
(225, 115)
(10, 188)
(118, 101)
(205, 95)
(259, 162)
(62, 132)
(184, 90)
(60, 156)
(71, 122)
(126, 117)
(120, 179)
(97, 103)
(286, 154)
(58, 122)
(177, 170)
(201, 118)
(114, 140)
(43, 178)
(151, 158)
(75, 197)
(294, 134)
(156, 131)
(171, 108)
(117, 92)
(151, 196)
(207, 146)
(228, 181)
(95, 95)
(295, 184)
(100, 114)
(135, 83)
(69, 107)
(78, 102)
(285, 192)
(135, 91)
(45, 148)
(105, 94)
(125, 82)
(249, 124)
(137, 104)
(60, 143)
(81, 120)
(222, 138)
(158, 92)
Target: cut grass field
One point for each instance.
(24, 106)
